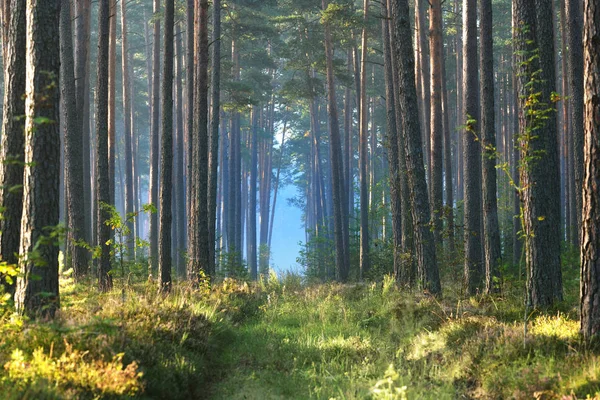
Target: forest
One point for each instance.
(443, 157)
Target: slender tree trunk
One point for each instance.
(199, 260)
(166, 160)
(83, 11)
(42, 158)
(404, 60)
(363, 158)
(590, 246)
(73, 147)
(13, 132)
(488, 135)
(154, 139)
(340, 219)
(179, 177)
(575, 73)
(392, 147)
(102, 182)
(252, 254)
(127, 133)
(472, 161)
(436, 123)
(112, 120)
(214, 132)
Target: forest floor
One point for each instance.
(283, 339)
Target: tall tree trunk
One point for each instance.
(404, 60)
(472, 154)
(449, 187)
(423, 78)
(73, 147)
(102, 181)
(42, 158)
(179, 177)
(199, 259)
(154, 139)
(538, 141)
(590, 245)
(166, 160)
(575, 73)
(214, 133)
(189, 89)
(13, 132)
(252, 254)
(392, 147)
(491, 233)
(436, 123)
(83, 11)
(112, 119)
(340, 219)
(127, 133)
(363, 156)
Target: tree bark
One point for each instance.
(436, 122)
(127, 133)
(340, 219)
(166, 160)
(102, 182)
(40, 296)
(491, 234)
(538, 142)
(472, 153)
(12, 151)
(83, 11)
(214, 133)
(73, 148)
(404, 59)
(363, 153)
(575, 74)
(154, 139)
(590, 235)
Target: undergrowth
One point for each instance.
(281, 338)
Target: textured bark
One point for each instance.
(538, 141)
(154, 139)
(189, 88)
(73, 148)
(166, 160)
(590, 229)
(392, 148)
(428, 273)
(436, 113)
(575, 73)
(37, 288)
(112, 120)
(102, 181)
(363, 154)
(423, 72)
(491, 234)
(128, 132)
(214, 133)
(338, 190)
(12, 151)
(179, 218)
(472, 162)
(83, 11)
(198, 260)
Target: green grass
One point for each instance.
(286, 340)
